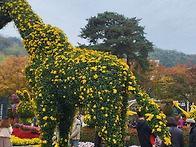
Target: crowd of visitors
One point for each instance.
(177, 137)
(145, 135)
(148, 139)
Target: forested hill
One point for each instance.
(169, 58)
(11, 46)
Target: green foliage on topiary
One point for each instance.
(89, 121)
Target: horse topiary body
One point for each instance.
(64, 78)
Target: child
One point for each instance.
(6, 131)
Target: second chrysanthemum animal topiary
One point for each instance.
(26, 108)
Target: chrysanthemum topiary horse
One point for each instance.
(64, 78)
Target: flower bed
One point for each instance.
(26, 127)
(186, 136)
(16, 141)
(25, 134)
(133, 137)
(86, 144)
(87, 134)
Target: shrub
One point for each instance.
(186, 136)
(133, 137)
(168, 110)
(87, 134)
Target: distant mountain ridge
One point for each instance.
(11, 46)
(169, 58)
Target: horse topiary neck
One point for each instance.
(40, 40)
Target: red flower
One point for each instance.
(25, 134)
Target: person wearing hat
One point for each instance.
(6, 131)
(192, 137)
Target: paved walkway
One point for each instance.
(33, 145)
(87, 146)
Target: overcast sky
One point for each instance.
(169, 24)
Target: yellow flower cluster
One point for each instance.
(155, 119)
(16, 141)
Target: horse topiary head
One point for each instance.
(4, 14)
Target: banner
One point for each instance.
(3, 107)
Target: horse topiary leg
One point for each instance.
(66, 114)
(109, 124)
(105, 108)
(47, 123)
(47, 117)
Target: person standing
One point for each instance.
(177, 137)
(75, 132)
(144, 131)
(97, 140)
(80, 117)
(6, 131)
(180, 122)
(192, 136)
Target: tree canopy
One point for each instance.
(119, 35)
(177, 83)
(183, 86)
(11, 76)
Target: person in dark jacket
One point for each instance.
(192, 137)
(177, 137)
(144, 131)
(97, 140)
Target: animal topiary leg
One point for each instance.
(47, 117)
(67, 113)
(105, 107)
(109, 124)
